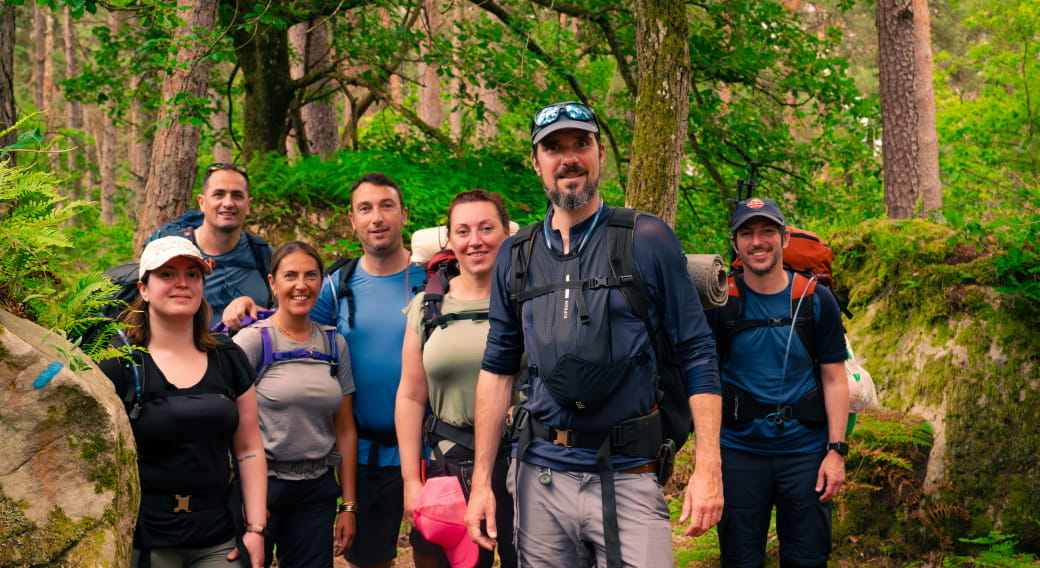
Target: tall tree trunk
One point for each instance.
(73, 109)
(219, 120)
(430, 110)
(8, 111)
(488, 128)
(105, 135)
(662, 107)
(311, 42)
(900, 151)
(39, 54)
(263, 55)
(455, 84)
(176, 146)
(924, 97)
(142, 130)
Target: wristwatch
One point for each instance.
(260, 530)
(840, 447)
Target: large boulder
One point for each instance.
(948, 339)
(68, 473)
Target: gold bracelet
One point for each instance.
(260, 530)
(347, 507)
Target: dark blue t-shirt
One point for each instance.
(758, 366)
(662, 267)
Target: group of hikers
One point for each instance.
(519, 406)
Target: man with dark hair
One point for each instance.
(785, 400)
(370, 317)
(590, 431)
(240, 260)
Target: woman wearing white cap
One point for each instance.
(191, 402)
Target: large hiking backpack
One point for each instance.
(807, 254)
(439, 271)
(125, 275)
(185, 225)
(677, 423)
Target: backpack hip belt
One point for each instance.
(637, 437)
(435, 430)
(305, 466)
(739, 408)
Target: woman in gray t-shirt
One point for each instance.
(305, 395)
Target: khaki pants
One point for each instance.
(561, 522)
(210, 557)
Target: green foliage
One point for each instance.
(31, 217)
(998, 552)
(428, 180)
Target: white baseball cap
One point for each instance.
(161, 251)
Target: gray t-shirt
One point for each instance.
(298, 399)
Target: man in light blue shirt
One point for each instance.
(382, 283)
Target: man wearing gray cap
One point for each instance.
(587, 485)
(785, 400)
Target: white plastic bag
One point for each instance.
(862, 393)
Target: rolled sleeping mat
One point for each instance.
(709, 276)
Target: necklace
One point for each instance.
(292, 334)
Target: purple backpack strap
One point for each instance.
(268, 348)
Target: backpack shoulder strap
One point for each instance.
(346, 271)
(803, 294)
(261, 260)
(232, 359)
(621, 230)
(520, 260)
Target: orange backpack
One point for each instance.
(806, 254)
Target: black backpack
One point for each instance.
(677, 423)
(346, 266)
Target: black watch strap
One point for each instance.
(840, 447)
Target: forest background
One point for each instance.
(111, 110)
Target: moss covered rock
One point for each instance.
(943, 342)
(68, 473)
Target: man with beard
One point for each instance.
(783, 444)
(584, 492)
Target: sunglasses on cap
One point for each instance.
(573, 111)
(217, 166)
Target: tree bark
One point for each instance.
(8, 111)
(662, 107)
(311, 42)
(142, 124)
(900, 150)
(73, 109)
(430, 110)
(263, 55)
(924, 96)
(175, 149)
(105, 135)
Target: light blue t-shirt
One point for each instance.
(374, 343)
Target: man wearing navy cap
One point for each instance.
(587, 488)
(785, 400)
